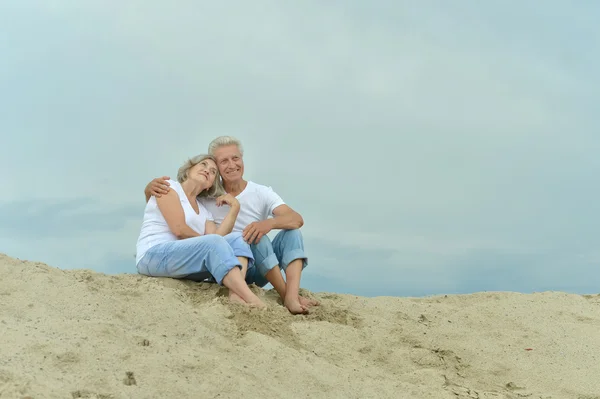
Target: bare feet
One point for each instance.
(257, 303)
(294, 306)
(306, 302)
(235, 298)
(253, 303)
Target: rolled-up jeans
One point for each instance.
(287, 246)
(196, 258)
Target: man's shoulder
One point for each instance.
(260, 187)
(260, 190)
(253, 186)
(262, 194)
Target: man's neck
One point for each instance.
(235, 188)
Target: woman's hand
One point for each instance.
(229, 200)
(227, 224)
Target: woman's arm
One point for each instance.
(170, 207)
(227, 226)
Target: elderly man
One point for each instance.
(257, 204)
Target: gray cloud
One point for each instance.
(406, 134)
(35, 219)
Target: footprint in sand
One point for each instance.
(129, 378)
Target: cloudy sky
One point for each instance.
(432, 147)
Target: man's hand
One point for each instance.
(256, 230)
(229, 200)
(158, 187)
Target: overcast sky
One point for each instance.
(431, 146)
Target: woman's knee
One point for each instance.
(213, 240)
(238, 244)
(235, 238)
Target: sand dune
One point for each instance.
(81, 334)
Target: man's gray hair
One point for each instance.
(222, 141)
(182, 174)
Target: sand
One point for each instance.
(82, 334)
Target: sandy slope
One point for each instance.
(80, 334)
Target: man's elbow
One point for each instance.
(299, 221)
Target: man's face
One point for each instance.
(230, 162)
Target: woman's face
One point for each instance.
(205, 172)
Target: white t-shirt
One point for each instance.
(155, 229)
(257, 203)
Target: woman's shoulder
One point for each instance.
(175, 185)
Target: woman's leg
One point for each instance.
(211, 253)
(233, 297)
(181, 258)
(236, 284)
(231, 278)
(242, 251)
(240, 248)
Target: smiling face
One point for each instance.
(230, 163)
(204, 172)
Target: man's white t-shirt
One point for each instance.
(257, 203)
(155, 229)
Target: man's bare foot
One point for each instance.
(306, 302)
(235, 298)
(294, 306)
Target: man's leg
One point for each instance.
(267, 268)
(288, 246)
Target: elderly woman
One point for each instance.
(180, 239)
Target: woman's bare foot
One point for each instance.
(235, 298)
(306, 302)
(257, 303)
(294, 306)
(253, 303)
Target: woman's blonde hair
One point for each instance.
(217, 188)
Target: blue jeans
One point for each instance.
(196, 258)
(286, 247)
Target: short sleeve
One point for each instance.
(272, 200)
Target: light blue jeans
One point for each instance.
(196, 258)
(286, 247)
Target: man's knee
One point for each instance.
(264, 246)
(289, 246)
(293, 233)
(287, 238)
(264, 256)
